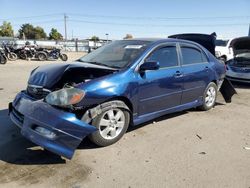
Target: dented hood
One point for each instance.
(48, 75)
(207, 41)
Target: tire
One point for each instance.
(41, 56)
(112, 124)
(209, 97)
(223, 58)
(3, 59)
(23, 56)
(64, 57)
(12, 56)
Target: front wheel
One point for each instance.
(12, 56)
(64, 57)
(209, 97)
(3, 59)
(112, 124)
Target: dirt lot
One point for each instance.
(187, 149)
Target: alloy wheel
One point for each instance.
(112, 123)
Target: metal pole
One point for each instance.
(65, 26)
(107, 35)
(249, 31)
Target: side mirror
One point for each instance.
(150, 65)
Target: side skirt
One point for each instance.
(147, 117)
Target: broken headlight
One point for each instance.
(65, 97)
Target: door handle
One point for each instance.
(178, 74)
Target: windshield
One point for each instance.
(117, 54)
(221, 42)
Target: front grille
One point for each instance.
(37, 92)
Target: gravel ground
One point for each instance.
(186, 149)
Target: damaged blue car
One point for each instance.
(123, 83)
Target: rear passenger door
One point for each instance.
(195, 70)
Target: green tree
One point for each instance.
(128, 36)
(6, 30)
(30, 32)
(95, 38)
(39, 33)
(55, 35)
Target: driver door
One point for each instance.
(161, 89)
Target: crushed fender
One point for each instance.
(93, 112)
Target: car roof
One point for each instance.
(161, 40)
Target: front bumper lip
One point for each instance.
(28, 114)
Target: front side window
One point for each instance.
(166, 56)
(192, 56)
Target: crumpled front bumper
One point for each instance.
(68, 131)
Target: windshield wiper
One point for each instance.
(97, 63)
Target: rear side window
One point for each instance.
(192, 56)
(166, 56)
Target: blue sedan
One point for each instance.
(123, 83)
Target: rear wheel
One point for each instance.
(112, 124)
(23, 56)
(41, 56)
(209, 97)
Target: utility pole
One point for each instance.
(65, 26)
(249, 31)
(107, 37)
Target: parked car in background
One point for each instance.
(223, 49)
(123, 83)
(238, 68)
(207, 41)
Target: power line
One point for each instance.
(160, 18)
(30, 17)
(133, 18)
(157, 25)
(39, 22)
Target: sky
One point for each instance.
(141, 18)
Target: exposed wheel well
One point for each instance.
(214, 81)
(90, 113)
(126, 101)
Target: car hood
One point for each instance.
(240, 45)
(207, 41)
(47, 76)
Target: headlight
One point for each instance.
(65, 97)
